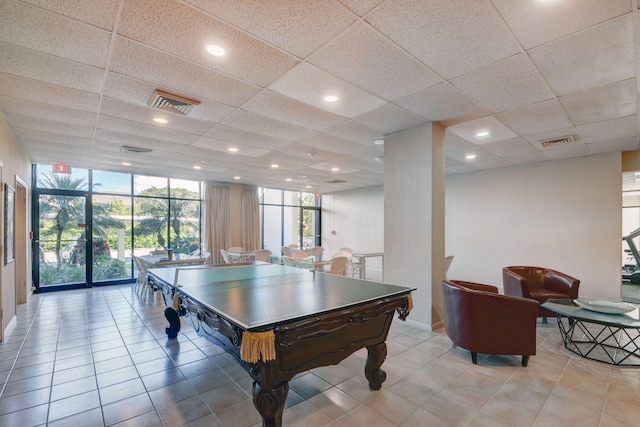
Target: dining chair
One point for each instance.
(287, 251)
(262, 255)
(206, 256)
(225, 256)
(300, 255)
(354, 264)
(317, 251)
(338, 265)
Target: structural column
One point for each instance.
(414, 217)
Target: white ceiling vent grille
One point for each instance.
(172, 103)
(128, 149)
(553, 142)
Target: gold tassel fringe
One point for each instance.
(409, 303)
(258, 345)
(176, 302)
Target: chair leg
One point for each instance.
(525, 360)
(474, 358)
(544, 320)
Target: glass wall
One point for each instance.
(121, 213)
(289, 217)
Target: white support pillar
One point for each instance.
(414, 217)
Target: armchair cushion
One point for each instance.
(479, 319)
(540, 284)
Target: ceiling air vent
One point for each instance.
(336, 181)
(172, 103)
(547, 143)
(128, 149)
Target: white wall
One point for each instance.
(562, 214)
(358, 222)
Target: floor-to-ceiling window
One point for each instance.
(289, 217)
(90, 222)
(631, 236)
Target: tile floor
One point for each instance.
(100, 357)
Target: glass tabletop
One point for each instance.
(570, 308)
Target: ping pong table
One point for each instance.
(279, 321)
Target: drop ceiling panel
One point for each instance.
(523, 159)
(53, 138)
(543, 116)
(145, 130)
(537, 22)
(603, 103)
(39, 110)
(141, 114)
(427, 30)
(121, 138)
(390, 118)
(47, 93)
(565, 151)
(241, 136)
(355, 132)
(624, 144)
(174, 74)
(223, 146)
(330, 143)
(609, 130)
(595, 57)
(285, 109)
(181, 30)
(53, 126)
(492, 130)
(382, 67)
(442, 103)
(260, 124)
(504, 85)
(101, 14)
(309, 84)
(44, 31)
(47, 68)
(138, 92)
(510, 147)
(307, 25)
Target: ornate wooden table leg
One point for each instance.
(270, 403)
(174, 322)
(376, 355)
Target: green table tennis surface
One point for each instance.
(261, 297)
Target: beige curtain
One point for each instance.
(217, 229)
(250, 218)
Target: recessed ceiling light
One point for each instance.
(288, 179)
(482, 133)
(236, 177)
(275, 166)
(197, 167)
(379, 141)
(335, 169)
(215, 50)
(470, 156)
(330, 98)
(160, 120)
(125, 164)
(308, 186)
(233, 149)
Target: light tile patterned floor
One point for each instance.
(100, 357)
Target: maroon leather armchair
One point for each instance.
(540, 284)
(479, 319)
